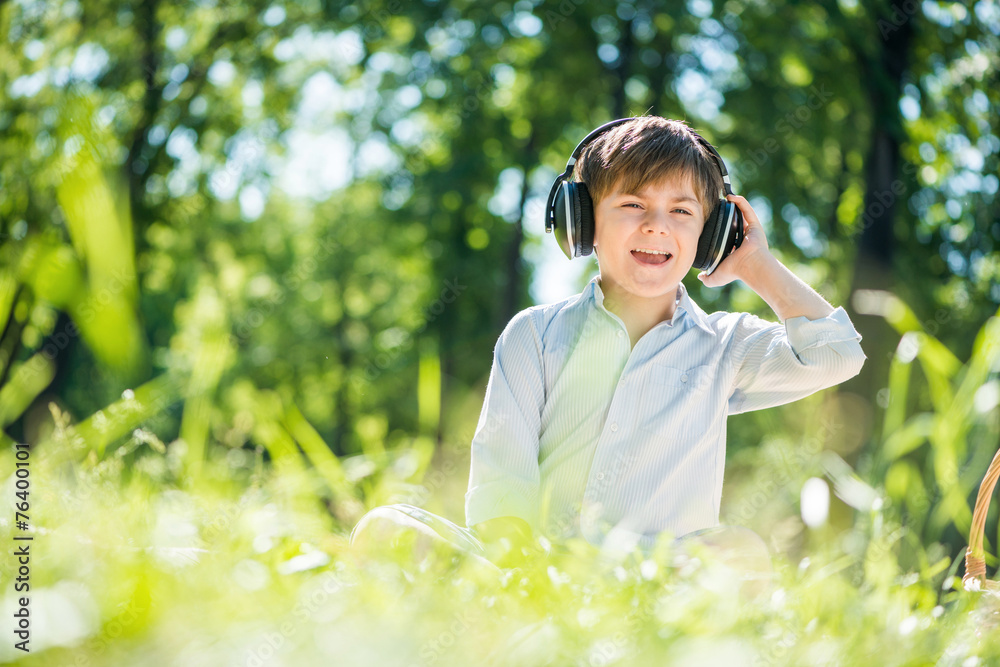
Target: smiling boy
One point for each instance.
(613, 403)
(605, 413)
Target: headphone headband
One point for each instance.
(571, 163)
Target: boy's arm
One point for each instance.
(504, 473)
(761, 271)
(817, 347)
(784, 291)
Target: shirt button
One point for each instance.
(620, 333)
(684, 378)
(600, 475)
(614, 427)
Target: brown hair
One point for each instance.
(646, 151)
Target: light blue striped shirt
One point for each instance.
(579, 435)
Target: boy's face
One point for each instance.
(666, 216)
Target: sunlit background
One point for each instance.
(254, 258)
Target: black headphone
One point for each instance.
(570, 211)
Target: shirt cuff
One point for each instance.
(497, 499)
(804, 333)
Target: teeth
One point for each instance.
(652, 252)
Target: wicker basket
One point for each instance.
(975, 565)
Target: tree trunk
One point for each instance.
(136, 165)
(625, 48)
(873, 266)
(513, 262)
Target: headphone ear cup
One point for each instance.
(575, 234)
(584, 219)
(709, 238)
(563, 228)
(734, 230)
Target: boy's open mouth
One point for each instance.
(651, 258)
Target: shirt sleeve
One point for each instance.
(504, 476)
(778, 364)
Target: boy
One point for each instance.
(605, 413)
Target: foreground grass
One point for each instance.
(244, 567)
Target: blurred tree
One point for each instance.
(353, 186)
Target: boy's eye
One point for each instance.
(639, 206)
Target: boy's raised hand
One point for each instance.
(754, 264)
(742, 261)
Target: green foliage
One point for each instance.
(243, 564)
(956, 417)
(243, 561)
(254, 258)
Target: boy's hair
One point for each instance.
(646, 151)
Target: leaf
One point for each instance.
(27, 380)
(906, 439)
(123, 416)
(318, 453)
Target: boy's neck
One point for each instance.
(639, 314)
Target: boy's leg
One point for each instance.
(391, 527)
(738, 548)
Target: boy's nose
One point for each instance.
(656, 222)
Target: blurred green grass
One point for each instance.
(139, 560)
(134, 564)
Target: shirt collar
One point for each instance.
(694, 310)
(684, 303)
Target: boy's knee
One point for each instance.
(742, 538)
(737, 544)
(389, 531)
(382, 525)
(740, 549)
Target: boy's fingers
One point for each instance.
(709, 280)
(748, 213)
